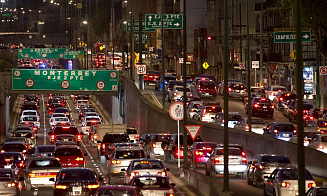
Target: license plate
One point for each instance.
(77, 189)
(286, 135)
(207, 94)
(7, 166)
(237, 91)
(66, 140)
(264, 106)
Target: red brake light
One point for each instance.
(312, 185)
(79, 159)
(256, 105)
(263, 99)
(175, 94)
(137, 136)
(285, 184)
(21, 164)
(229, 89)
(294, 131)
(103, 146)
(92, 186)
(243, 153)
(209, 148)
(276, 131)
(261, 167)
(61, 186)
(26, 123)
(170, 194)
(154, 145)
(281, 98)
(31, 175)
(115, 162)
(216, 160)
(134, 174)
(213, 107)
(9, 185)
(204, 112)
(223, 121)
(244, 160)
(272, 107)
(197, 153)
(321, 147)
(7, 160)
(203, 79)
(65, 127)
(162, 173)
(311, 117)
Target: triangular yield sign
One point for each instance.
(193, 130)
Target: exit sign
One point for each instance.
(289, 36)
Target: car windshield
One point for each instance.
(46, 149)
(29, 107)
(44, 163)
(207, 84)
(293, 175)
(13, 147)
(29, 113)
(68, 152)
(231, 151)
(12, 157)
(213, 109)
(15, 139)
(77, 175)
(285, 128)
(61, 110)
(131, 131)
(30, 119)
(116, 192)
(275, 159)
(182, 89)
(147, 165)
(234, 117)
(129, 154)
(115, 138)
(151, 183)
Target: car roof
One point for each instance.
(44, 146)
(18, 153)
(279, 123)
(76, 168)
(120, 187)
(41, 158)
(125, 148)
(30, 111)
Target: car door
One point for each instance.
(210, 160)
(270, 182)
(267, 129)
(314, 141)
(251, 168)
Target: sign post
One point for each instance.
(176, 113)
(193, 130)
(255, 65)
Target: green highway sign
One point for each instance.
(49, 53)
(170, 21)
(136, 27)
(74, 54)
(66, 80)
(289, 36)
(144, 37)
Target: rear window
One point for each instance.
(234, 117)
(131, 131)
(58, 115)
(257, 90)
(46, 149)
(285, 128)
(129, 154)
(53, 101)
(30, 107)
(288, 96)
(322, 124)
(280, 89)
(275, 159)
(88, 110)
(162, 138)
(207, 84)
(61, 110)
(64, 130)
(29, 119)
(115, 138)
(205, 146)
(182, 89)
(257, 121)
(92, 119)
(262, 100)
(61, 119)
(324, 139)
(147, 165)
(24, 134)
(170, 78)
(307, 106)
(29, 113)
(6, 176)
(193, 99)
(44, 163)
(13, 147)
(151, 182)
(93, 123)
(230, 152)
(12, 157)
(213, 109)
(81, 175)
(292, 175)
(119, 192)
(238, 86)
(68, 152)
(189, 139)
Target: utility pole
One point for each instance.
(185, 165)
(163, 56)
(131, 46)
(140, 46)
(113, 33)
(248, 66)
(241, 50)
(226, 111)
(261, 40)
(299, 92)
(318, 78)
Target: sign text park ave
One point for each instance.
(170, 21)
(74, 80)
(288, 36)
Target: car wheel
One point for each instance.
(256, 183)
(265, 192)
(274, 193)
(28, 186)
(102, 160)
(249, 181)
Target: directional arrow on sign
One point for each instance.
(150, 17)
(306, 36)
(176, 24)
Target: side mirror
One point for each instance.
(123, 169)
(172, 184)
(21, 179)
(85, 154)
(36, 137)
(52, 179)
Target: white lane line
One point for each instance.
(44, 126)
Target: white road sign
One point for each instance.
(193, 130)
(141, 69)
(255, 65)
(176, 111)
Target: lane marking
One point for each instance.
(155, 99)
(99, 111)
(44, 125)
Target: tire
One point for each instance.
(102, 160)
(28, 186)
(249, 181)
(274, 192)
(256, 183)
(264, 191)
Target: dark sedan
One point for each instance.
(262, 106)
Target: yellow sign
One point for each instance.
(79, 5)
(293, 54)
(136, 58)
(101, 47)
(146, 46)
(205, 65)
(82, 43)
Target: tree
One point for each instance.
(314, 17)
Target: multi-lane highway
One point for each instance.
(92, 158)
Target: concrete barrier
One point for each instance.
(149, 118)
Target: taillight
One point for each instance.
(92, 186)
(115, 162)
(244, 160)
(311, 117)
(312, 185)
(137, 136)
(272, 107)
(162, 173)
(271, 93)
(197, 153)
(256, 105)
(24, 151)
(52, 137)
(2, 150)
(261, 166)
(134, 174)
(216, 160)
(223, 120)
(79, 137)
(95, 136)
(276, 131)
(79, 159)
(58, 186)
(321, 146)
(243, 153)
(103, 146)
(229, 89)
(31, 175)
(294, 131)
(281, 98)
(154, 145)
(285, 184)
(247, 128)
(21, 165)
(204, 112)
(9, 185)
(7, 160)
(170, 194)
